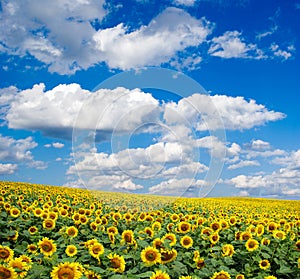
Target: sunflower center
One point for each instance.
(151, 256)
(46, 247)
(5, 273)
(251, 245)
(4, 254)
(115, 263)
(66, 273)
(186, 241)
(221, 276)
(264, 263)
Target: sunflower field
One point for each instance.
(63, 233)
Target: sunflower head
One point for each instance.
(221, 275)
(71, 250)
(6, 254)
(251, 244)
(47, 246)
(66, 270)
(7, 272)
(168, 255)
(159, 274)
(186, 241)
(117, 263)
(72, 231)
(150, 256)
(264, 264)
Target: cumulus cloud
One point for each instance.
(7, 168)
(260, 145)
(55, 145)
(219, 112)
(242, 164)
(18, 151)
(283, 181)
(57, 111)
(171, 31)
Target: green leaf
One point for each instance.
(145, 274)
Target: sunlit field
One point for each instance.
(56, 232)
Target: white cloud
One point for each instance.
(188, 3)
(7, 168)
(243, 164)
(260, 145)
(284, 54)
(231, 45)
(171, 31)
(219, 112)
(57, 111)
(19, 151)
(58, 145)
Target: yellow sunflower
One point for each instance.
(7, 272)
(15, 212)
(96, 250)
(91, 275)
(279, 234)
(171, 237)
(264, 264)
(184, 227)
(112, 230)
(128, 237)
(66, 271)
(33, 230)
(259, 230)
(200, 263)
(117, 263)
(71, 250)
(159, 274)
(251, 244)
(186, 241)
(49, 224)
(265, 241)
(168, 255)
(214, 238)
(72, 231)
(158, 243)
(228, 250)
(32, 248)
(47, 246)
(19, 266)
(150, 256)
(6, 254)
(270, 277)
(240, 276)
(221, 275)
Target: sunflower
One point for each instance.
(71, 250)
(33, 230)
(251, 244)
(156, 226)
(112, 230)
(279, 234)
(117, 216)
(149, 232)
(32, 248)
(196, 255)
(37, 212)
(14, 236)
(157, 243)
(200, 263)
(66, 271)
(216, 226)
(96, 250)
(265, 241)
(259, 230)
(184, 227)
(19, 266)
(26, 259)
(270, 277)
(83, 220)
(214, 238)
(186, 277)
(7, 272)
(206, 232)
(15, 212)
(91, 275)
(232, 220)
(272, 226)
(228, 250)
(47, 246)
(298, 245)
(72, 231)
(159, 274)
(150, 256)
(240, 276)
(94, 226)
(264, 264)
(171, 237)
(221, 275)
(117, 263)
(128, 237)
(49, 224)
(245, 235)
(6, 254)
(168, 255)
(174, 217)
(186, 241)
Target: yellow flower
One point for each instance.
(66, 271)
(150, 256)
(214, 238)
(112, 230)
(49, 224)
(117, 263)
(19, 266)
(32, 248)
(72, 231)
(260, 230)
(15, 212)
(186, 241)
(279, 234)
(270, 277)
(157, 243)
(216, 226)
(221, 275)
(171, 237)
(265, 241)
(184, 227)
(33, 230)
(6, 254)
(264, 264)
(91, 275)
(251, 244)
(159, 274)
(71, 250)
(128, 237)
(96, 250)
(228, 250)
(47, 246)
(168, 255)
(240, 276)
(7, 272)
(200, 263)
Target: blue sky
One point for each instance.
(177, 97)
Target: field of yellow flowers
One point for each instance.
(63, 233)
